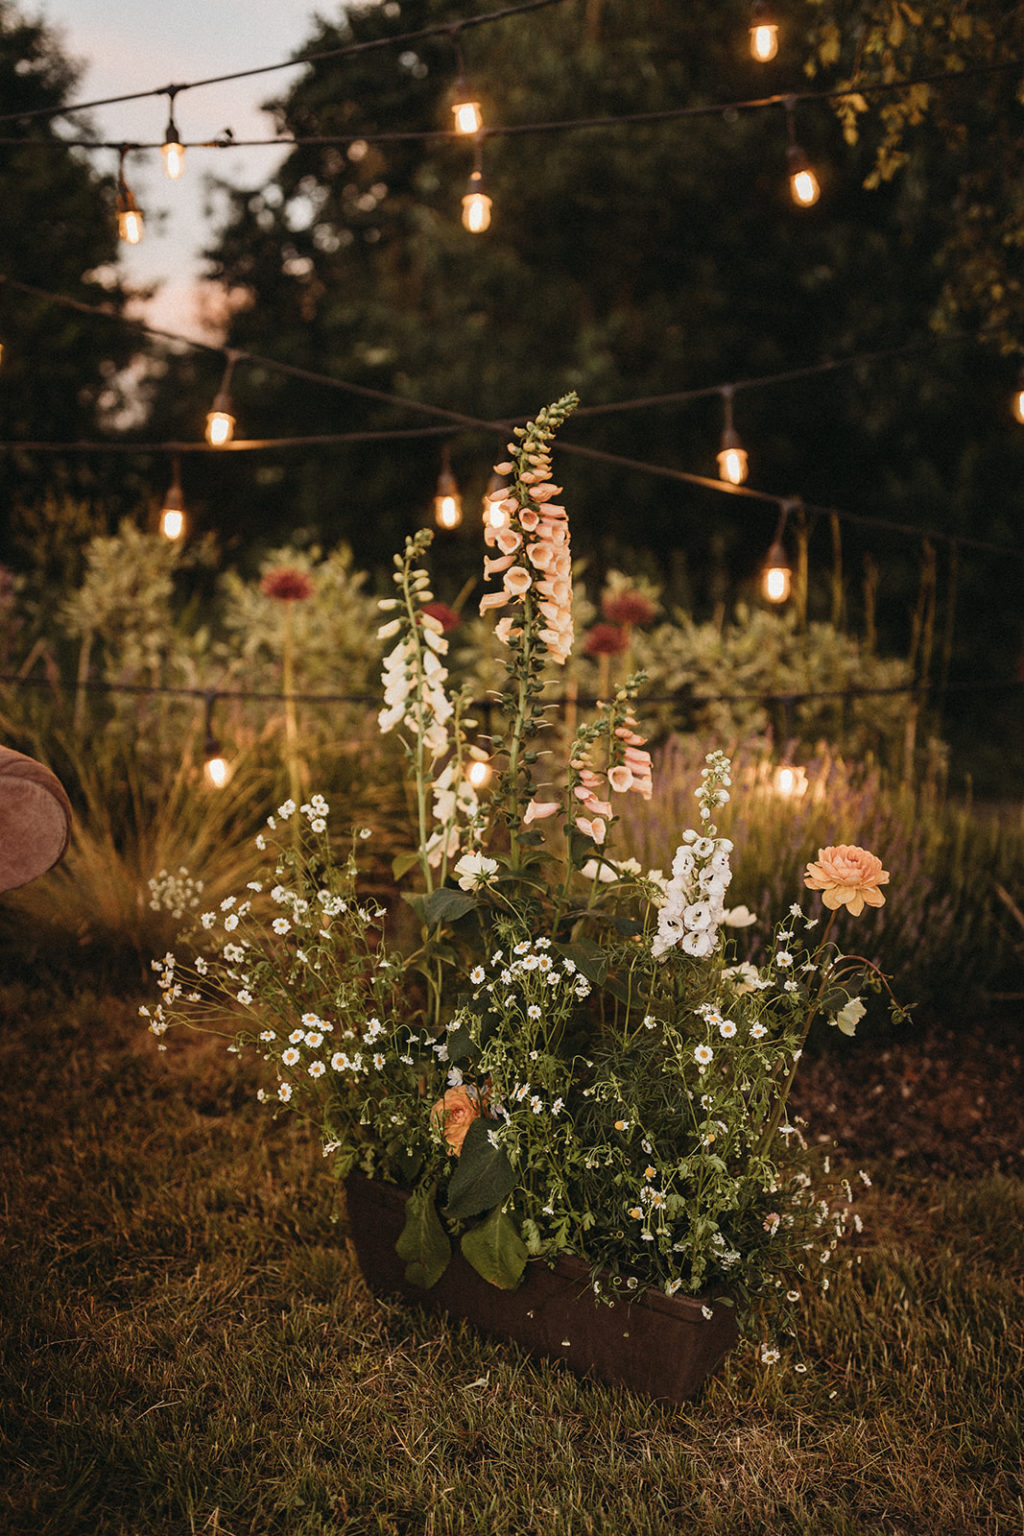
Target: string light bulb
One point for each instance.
(447, 501)
(468, 116)
(479, 770)
(776, 572)
(220, 422)
(804, 187)
(129, 215)
(216, 768)
(495, 494)
(173, 150)
(789, 781)
(1018, 399)
(732, 456)
(476, 205)
(172, 513)
(764, 33)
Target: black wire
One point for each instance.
(265, 69)
(474, 423)
(681, 697)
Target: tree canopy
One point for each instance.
(60, 372)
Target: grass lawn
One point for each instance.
(188, 1346)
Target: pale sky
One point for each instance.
(139, 45)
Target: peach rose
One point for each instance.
(454, 1114)
(847, 876)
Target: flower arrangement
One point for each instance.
(562, 1056)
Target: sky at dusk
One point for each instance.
(124, 47)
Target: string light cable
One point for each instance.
(787, 100)
(210, 696)
(347, 50)
(233, 356)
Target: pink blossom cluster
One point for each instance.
(633, 770)
(533, 545)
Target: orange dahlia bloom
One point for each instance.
(847, 876)
(454, 1114)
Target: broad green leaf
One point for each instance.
(402, 863)
(423, 1242)
(445, 905)
(588, 958)
(484, 1176)
(496, 1251)
(461, 1044)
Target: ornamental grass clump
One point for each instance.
(564, 1057)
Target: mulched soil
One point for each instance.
(930, 1098)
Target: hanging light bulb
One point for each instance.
(476, 205)
(173, 150)
(479, 770)
(468, 116)
(803, 184)
(220, 422)
(129, 215)
(789, 781)
(495, 494)
(764, 33)
(216, 768)
(466, 111)
(1018, 399)
(732, 456)
(172, 513)
(777, 575)
(447, 501)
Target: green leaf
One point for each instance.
(461, 1044)
(581, 848)
(589, 959)
(445, 905)
(484, 1176)
(847, 1017)
(496, 1251)
(423, 1242)
(402, 863)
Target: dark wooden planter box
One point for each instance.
(661, 1346)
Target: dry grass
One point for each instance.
(189, 1348)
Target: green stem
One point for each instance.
(291, 728)
(765, 1139)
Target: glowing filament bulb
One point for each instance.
(476, 205)
(1018, 399)
(732, 465)
(129, 216)
(479, 772)
(172, 523)
(764, 41)
(174, 158)
(220, 428)
(777, 577)
(216, 771)
(129, 225)
(447, 501)
(468, 117)
(790, 781)
(803, 184)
